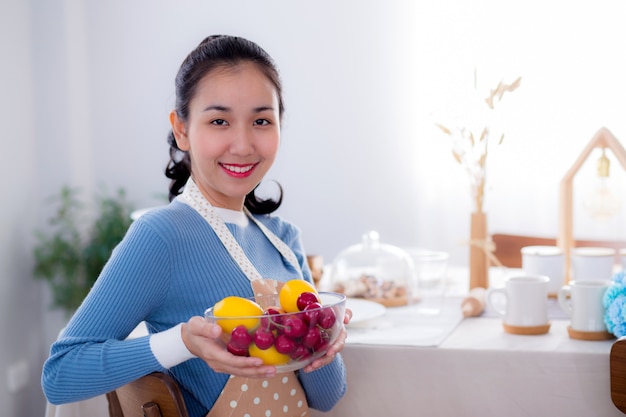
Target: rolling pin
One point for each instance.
(474, 304)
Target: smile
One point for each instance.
(238, 169)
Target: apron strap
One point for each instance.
(282, 247)
(193, 197)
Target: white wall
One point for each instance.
(90, 84)
(21, 347)
(364, 84)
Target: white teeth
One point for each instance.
(238, 170)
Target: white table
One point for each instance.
(480, 370)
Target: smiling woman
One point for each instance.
(214, 241)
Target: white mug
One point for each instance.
(526, 300)
(545, 260)
(582, 301)
(592, 263)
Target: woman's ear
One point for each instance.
(179, 130)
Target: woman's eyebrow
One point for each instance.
(218, 107)
(263, 108)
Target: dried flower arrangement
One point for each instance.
(470, 150)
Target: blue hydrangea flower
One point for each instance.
(614, 301)
(620, 277)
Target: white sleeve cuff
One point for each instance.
(168, 347)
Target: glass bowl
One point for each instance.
(289, 341)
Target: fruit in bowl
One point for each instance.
(295, 327)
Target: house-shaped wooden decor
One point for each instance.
(602, 139)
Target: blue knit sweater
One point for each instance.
(169, 267)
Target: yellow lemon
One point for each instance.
(270, 355)
(236, 307)
(290, 292)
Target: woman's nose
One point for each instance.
(242, 142)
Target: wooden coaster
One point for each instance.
(581, 335)
(526, 330)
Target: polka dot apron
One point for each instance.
(281, 395)
(278, 396)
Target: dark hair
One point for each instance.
(214, 52)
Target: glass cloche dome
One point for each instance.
(374, 271)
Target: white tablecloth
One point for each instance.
(480, 370)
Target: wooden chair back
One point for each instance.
(154, 395)
(508, 247)
(617, 364)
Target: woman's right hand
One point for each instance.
(202, 339)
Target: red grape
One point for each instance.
(294, 326)
(273, 318)
(236, 350)
(327, 318)
(306, 298)
(240, 337)
(285, 345)
(311, 313)
(323, 342)
(264, 338)
(312, 337)
(300, 353)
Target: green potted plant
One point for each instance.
(80, 239)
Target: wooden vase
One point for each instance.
(478, 261)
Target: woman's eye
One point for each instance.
(261, 122)
(219, 122)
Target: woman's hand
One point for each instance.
(334, 349)
(202, 339)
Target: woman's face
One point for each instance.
(232, 133)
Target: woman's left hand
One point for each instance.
(334, 349)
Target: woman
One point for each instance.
(212, 240)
